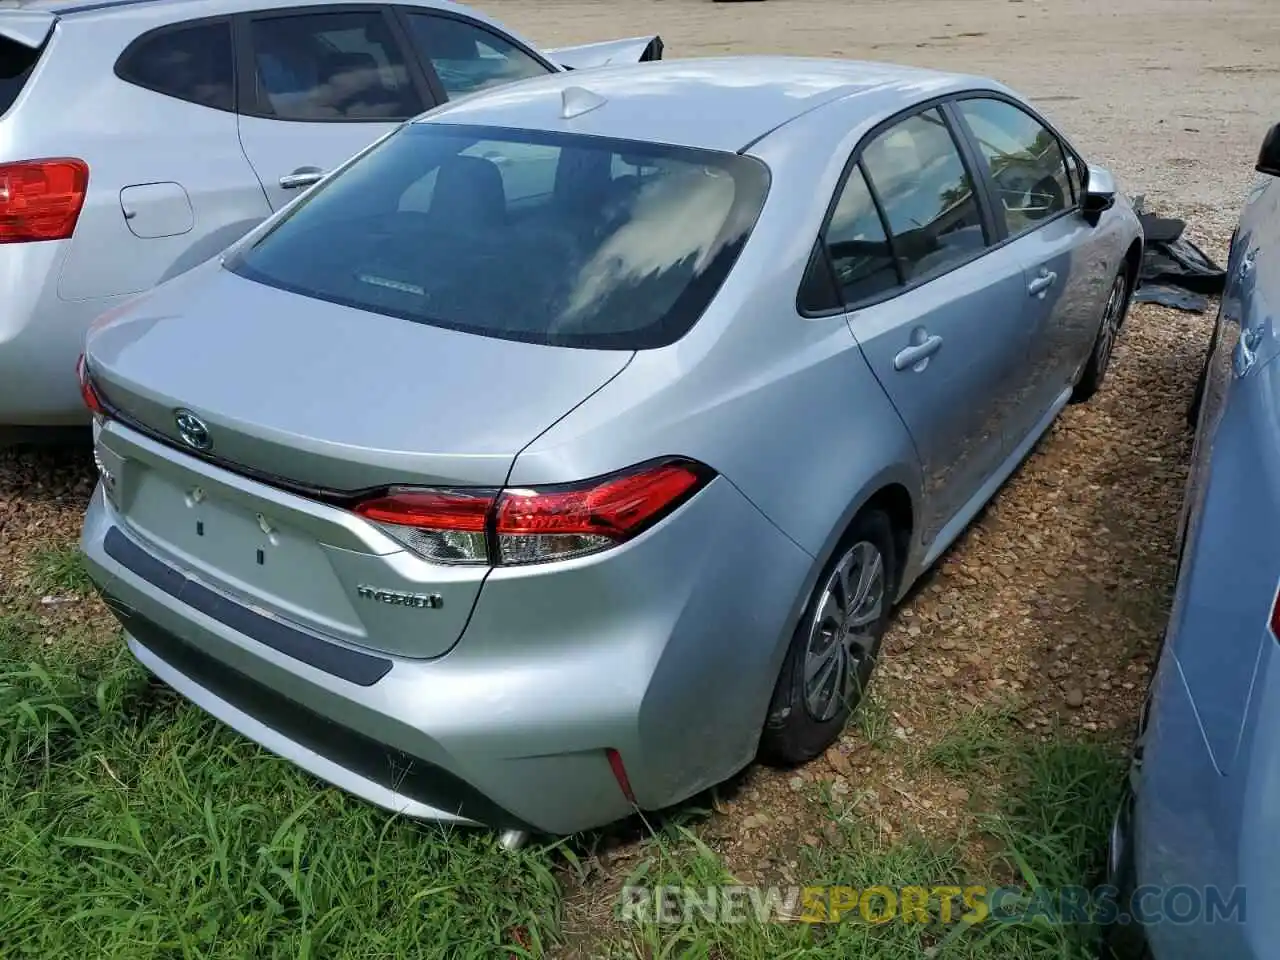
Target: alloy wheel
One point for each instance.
(1110, 323)
(840, 635)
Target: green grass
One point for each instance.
(872, 720)
(60, 571)
(138, 827)
(135, 826)
(1048, 831)
(981, 736)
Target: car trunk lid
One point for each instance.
(332, 398)
(323, 402)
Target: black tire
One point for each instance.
(793, 732)
(1124, 938)
(1095, 370)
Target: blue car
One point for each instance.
(1196, 844)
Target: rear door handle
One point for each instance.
(912, 357)
(1245, 353)
(1247, 263)
(1040, 284)
(302, 177)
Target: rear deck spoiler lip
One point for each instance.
(629, 50)
(31, 28)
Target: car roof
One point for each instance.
(715, 103)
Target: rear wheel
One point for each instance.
(1113, 313)
(834, 650)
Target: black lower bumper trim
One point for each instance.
(384, 765)
(351, 665)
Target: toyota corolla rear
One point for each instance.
(303, 518)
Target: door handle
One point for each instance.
(911, 357)
(1040, 284)
(1247, 263)
(1245, 353)
(302, 177)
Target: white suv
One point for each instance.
(139, 138)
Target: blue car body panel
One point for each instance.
(1207, 770)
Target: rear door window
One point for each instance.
(860, 253)
(331, 66)
(16, 63)
(927, 195)
(543, 237)
(192, 62)
(468, 58)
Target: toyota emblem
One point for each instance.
(192, 429)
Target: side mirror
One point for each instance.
(1099, 193)
(1269, 155)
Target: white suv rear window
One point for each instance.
(16, 63)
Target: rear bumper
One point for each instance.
(378, 773)
(40, 337)
(665, 649)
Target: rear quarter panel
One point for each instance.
(787, 411)
(130, 137)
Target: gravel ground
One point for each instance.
(1050, 606)
(1173, 95)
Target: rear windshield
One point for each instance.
(549, 238)
(16, 64)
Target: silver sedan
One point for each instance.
(570, 446)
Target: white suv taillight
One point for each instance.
(41, 199)
(535, 525)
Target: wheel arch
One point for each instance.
(1133, 260)
(896, 491)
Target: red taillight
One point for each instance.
(1275, 617)
(41, 199)
(609, 508)
(535, 525)
(87, 392)
(443, 525)
(433, 509)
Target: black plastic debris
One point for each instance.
(1170, 296)
(1175, 272)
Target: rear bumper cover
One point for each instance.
(665, 649)
(40, 337)
(383, 774)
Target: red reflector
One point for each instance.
(620, 774)
(87, 392)
(615, 507)
(430, 509)
(41, 199)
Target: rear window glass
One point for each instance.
(547, 238)
(16, 64)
